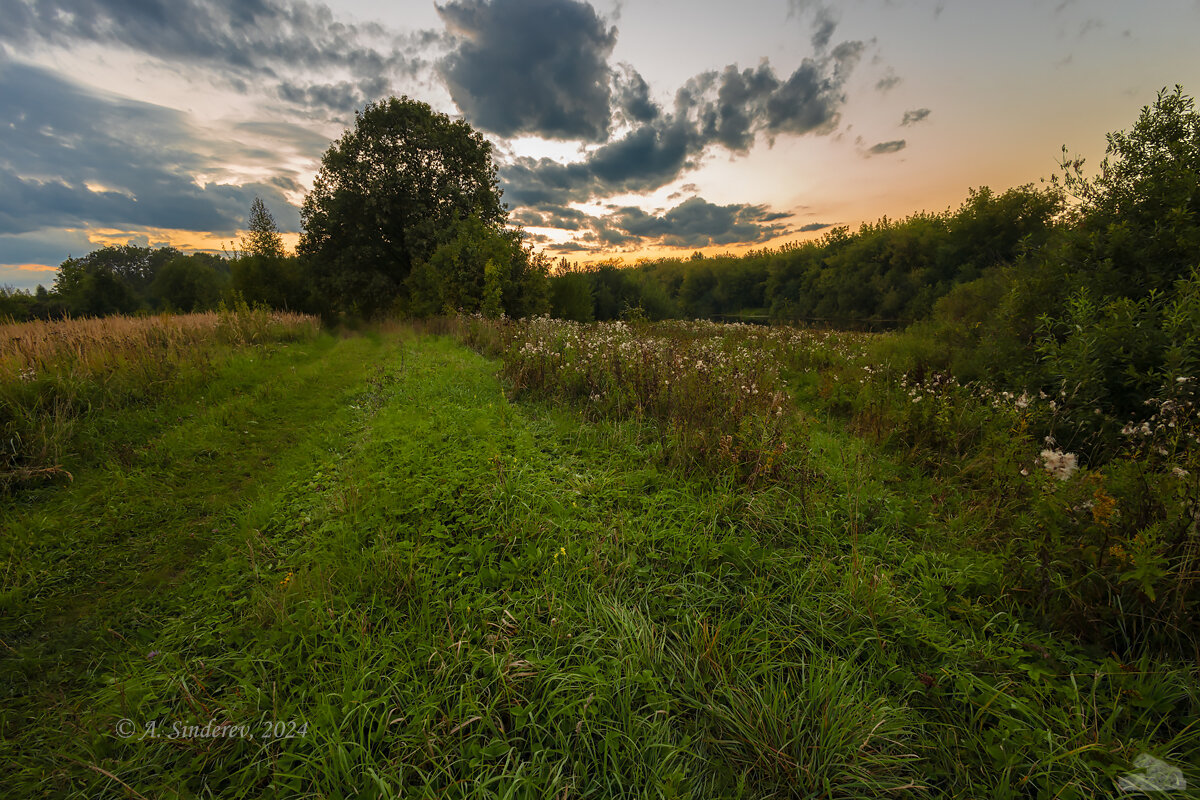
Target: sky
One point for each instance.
(622, 129)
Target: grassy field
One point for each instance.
(679, 561)
(57, 379)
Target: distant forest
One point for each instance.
(885, 274)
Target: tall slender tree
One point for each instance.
(264, 238)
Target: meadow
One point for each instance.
(57, 378)
(524, 559)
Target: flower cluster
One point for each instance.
(716, 388)
(1059, 464)
(1173, 423)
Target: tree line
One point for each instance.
(887, 273)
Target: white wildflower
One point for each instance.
(1059, 464)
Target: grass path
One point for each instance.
(432, 592)
(91, 569)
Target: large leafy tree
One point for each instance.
(1139, 218)
(388, 194)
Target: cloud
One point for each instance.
(342, 96)
(887, 147)
(691, 224)
(260, 40)
(632, 97)
(888, 82)
(823, 27)
(824, 22)
(740, 101)
(810, 99)
(683, 191)
(571, 247)
(561, 217)
(814, 226)
(728, 109)
(530, 67)
(72, 157)
(647, 157)
(44, 248)
(696, 223)
(915, 116)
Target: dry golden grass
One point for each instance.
(91, 345)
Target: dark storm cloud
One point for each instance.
(887, 147)
(647, 157)
(915, 116)
(753, 101)
(239, 39)
(730, 121)
(644, 159)
(693, 223)
(810, 99)
(571, 247)
(696, 223)
(343, 96)
(71, 157)
(561, 217)
(530, 67)
(728, 109)
(814, 226)
(632, 97)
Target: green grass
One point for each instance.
(460, 596)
